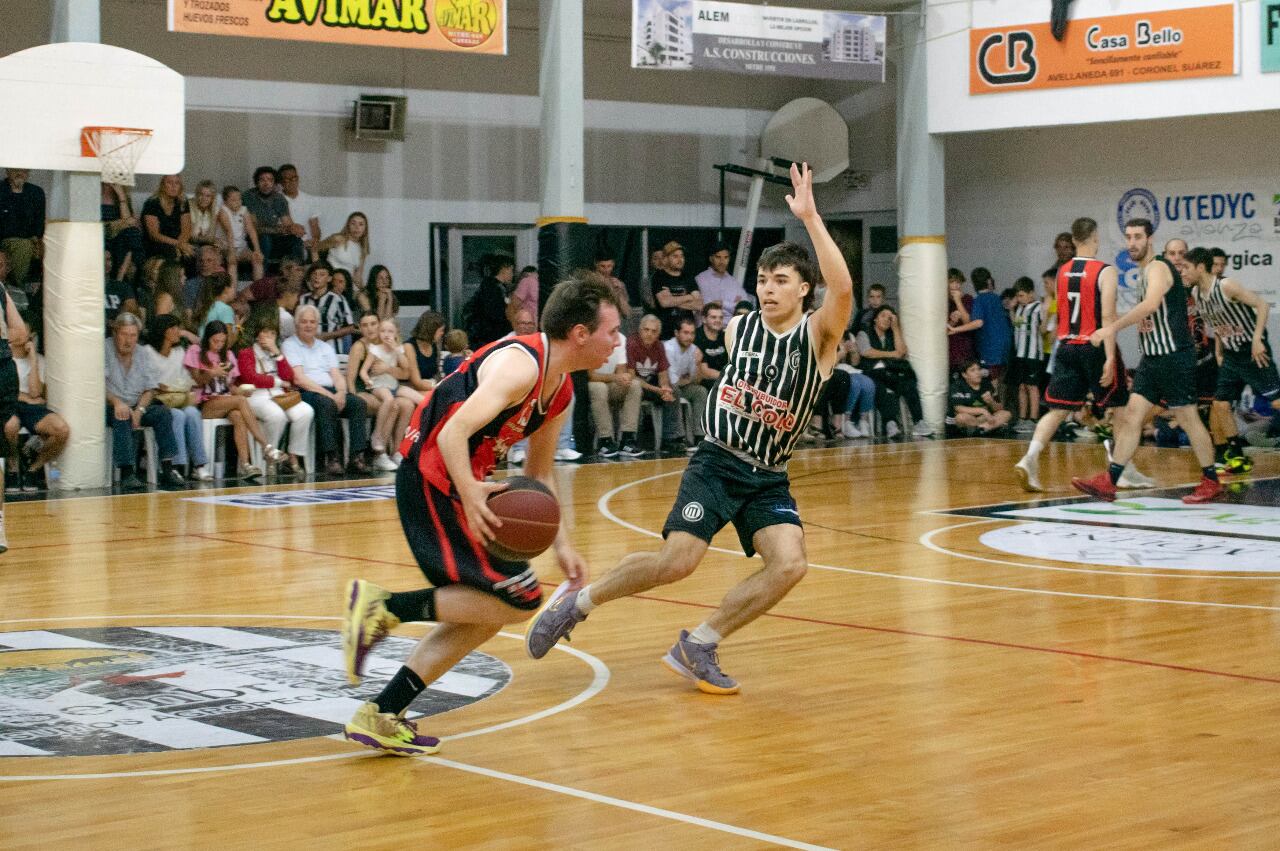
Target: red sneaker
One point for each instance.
(1207, 491)
(1099, 486)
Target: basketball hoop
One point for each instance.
(118, 150)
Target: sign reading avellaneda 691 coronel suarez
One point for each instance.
(461, 26)
(776, 40)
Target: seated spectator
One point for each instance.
(241, 234)
(122, 229)
(647, 361)
(174, 388)
(131, 404)
(349, 248)
(742, 308)
(717, 283)
(324, 388)
(875, 300)
(458, 348)
(273, 402)
(860, 398)
(604, 266)
(374, 369)
(710, 341)
(22, 217)
(884, 354)
(270, 211)
(49, 432)
(304, 211)
(337, 323)
(166, 220)
(972, 405)
(208, 266)
(675, 291)
(117, 294)
(424, 352)
(615, 391)
(205, 214)
(216, 374)
(485, 314)
(167, 297)
(385, 303)
(524, 296)
(961, 328)
(355, 296)
(685, 373)
(287, 296)
(214, 304)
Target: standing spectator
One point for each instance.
(710, 341)
(324, 388)
(884, 354)
(717, 283)
(214, 304)
(243, 245)
(270, 211)
(995, 333)
(131, 404)
(675, 291)
(647, 361)
(1064, 249)
(1028, 353)
(604, 266)
(349, 248)
(685, 374)
(22, 213)
(875, 301)
(263, 365)
(961, 345)
(49, 431)
(12, 322)
(657, 263)
(205, 214)
(304, 211)
(174, 388)
(613, 390)
(166, 219)
(971, 403)
(524, 296)
(117, 294)
(287, 295)
(1049, 333)
(122, 229)
(384, 301)
(485, 315)
(424, 352)
(336, 321)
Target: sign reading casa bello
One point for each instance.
(1159, 45)
(465, 26)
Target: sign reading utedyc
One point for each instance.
(708, 34)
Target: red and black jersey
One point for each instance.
(1079, 299)
(489, 445)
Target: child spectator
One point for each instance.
(337, 323)
(961, 328)
(384, 364)
(1028, 353)
(214, 302)
(971, 403)
(455, 343)
(356, 296)
(995, 331)
(241, 233)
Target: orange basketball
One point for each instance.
(530, 517)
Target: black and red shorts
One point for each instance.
(1077, 375)
(446, 551)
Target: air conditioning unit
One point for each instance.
(380, 117)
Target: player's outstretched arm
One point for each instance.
(1158, 283)
(833, 317)
(540, 464)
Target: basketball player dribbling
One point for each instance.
(1166, 374)
(779, 358)
(511, 389)
(10, 320)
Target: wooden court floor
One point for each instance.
(930, 683)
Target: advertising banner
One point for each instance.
(708, 34)
(1168, 45)
(462, 26)
(1270, 35)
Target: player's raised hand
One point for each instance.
(801, 200)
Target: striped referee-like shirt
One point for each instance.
(1168, 330)
(1233, 322)
(1028, 321)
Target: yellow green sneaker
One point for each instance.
(388, 733)
(365, 623)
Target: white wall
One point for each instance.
(953, 109)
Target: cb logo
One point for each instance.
(1019, 58)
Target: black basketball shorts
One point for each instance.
(719, 488)
(1026, 371)
(1077, 374)
(1168, 380)
(8, 386)
(446, 551)
(1239, 370)
(1206, 378)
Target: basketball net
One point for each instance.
(118, 150)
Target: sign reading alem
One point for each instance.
(464, 26)
(1169, 45)
(708, 34)
(1270, 35)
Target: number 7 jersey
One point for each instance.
(1079, 299)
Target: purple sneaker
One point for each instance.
(556, 620)
(388, 733)
(700, 663)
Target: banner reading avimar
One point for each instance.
(464, 26)
(714, 35)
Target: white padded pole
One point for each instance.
(922, 278)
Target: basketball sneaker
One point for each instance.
(365, 622)
(388, 733)
(1207, 491)
(1099, 486)
(556, 620)
(1236, 461)
(1132, 478)
(1028, 472)
(700, 663)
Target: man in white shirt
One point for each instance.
(49, 432)
(613, 390)
(684, 369)
(303, 210)
(324, 388)
(716, 282)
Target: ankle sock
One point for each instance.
(1034, 449)
(400, 692)
(705, 635)
(1209, 473)
(584, 602)
(411, 606)
(1115, 471)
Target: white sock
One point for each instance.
(1034, 450)
(584, 602)
(705, 635)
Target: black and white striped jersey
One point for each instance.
(1028, 322)
(765, 395)
(1168, 330)
(1233, 322)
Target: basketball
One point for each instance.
(530, 517)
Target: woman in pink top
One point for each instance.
(215, 374)
(524, 296)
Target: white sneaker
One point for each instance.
(921, 429)
(201, 474)
(568, 454)
(891, 430)
(1133, 478)
(383, 463)
(1025, 426)
(1028, 471)
(516, 455)
(851, 430)
(398, 458)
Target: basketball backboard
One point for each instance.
(53, 91)
(809, 130)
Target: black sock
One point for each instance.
(400, 692)
(166, 467)
(1209, 473)
(126, 470)
(1236, 443)
(1220, 453)
(628, 438)
(1115, 471)
(411, 606)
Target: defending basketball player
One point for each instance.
(779, 358)
(1166, 374)
(509, 390)
(1086, 300)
